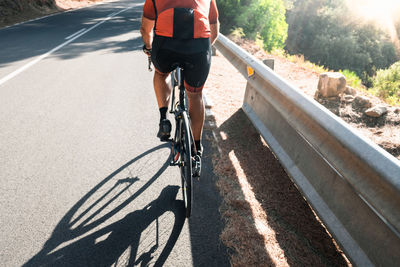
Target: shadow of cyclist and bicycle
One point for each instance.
(93, 233)
(129, 218)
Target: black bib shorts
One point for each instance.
(194, 54)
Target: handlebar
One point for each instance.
(148, 53)
(150, 68)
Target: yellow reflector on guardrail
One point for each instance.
(250, 71)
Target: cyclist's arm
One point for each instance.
(214, 29)
(148, 18)
(214, 23)
(147, 31)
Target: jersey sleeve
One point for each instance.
(213, 14)
(148, 10)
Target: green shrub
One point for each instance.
(351, 78)
(228, 12)
(387, 84)
(260, 20)
(264, 20)
(322, 31)
(237, 33)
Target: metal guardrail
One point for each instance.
(352, 184)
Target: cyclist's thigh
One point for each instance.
(197, 67)
(163, 59)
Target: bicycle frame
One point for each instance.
(183, 139)
(177, 77)
(178, 108)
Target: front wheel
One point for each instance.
(186, 164)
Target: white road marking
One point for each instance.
(112, 14)
(72, 35)
(33, 62)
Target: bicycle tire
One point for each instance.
(186, 166)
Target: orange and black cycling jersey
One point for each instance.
(170, 15)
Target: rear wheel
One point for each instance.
(186, 164)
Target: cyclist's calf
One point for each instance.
(161, 88)
(196, 112)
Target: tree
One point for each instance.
(322, 32)
(263, 19)
(228, 11)
(387, 84)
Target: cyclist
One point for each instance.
(180, 31)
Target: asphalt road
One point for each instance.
(83, 179)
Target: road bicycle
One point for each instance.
(183, 152)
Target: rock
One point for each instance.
(376, 111)
(349, 98)
(350, 90)
(396, 110)
(331, 84)
(362, 101)
(316, 96)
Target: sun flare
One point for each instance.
(383, 13)
(377, 9)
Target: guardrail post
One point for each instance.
(270, 63)
(213, 51)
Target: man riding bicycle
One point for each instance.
(183, 33)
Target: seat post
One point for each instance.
(182, 89)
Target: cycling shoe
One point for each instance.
(164, 131)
